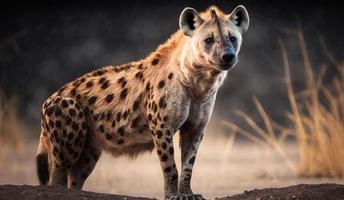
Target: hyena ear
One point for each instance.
(240, 18)
(189, 20)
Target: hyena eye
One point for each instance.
(209, 40)
(232, 39)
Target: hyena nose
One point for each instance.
(228, 57)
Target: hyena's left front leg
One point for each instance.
(190, 138)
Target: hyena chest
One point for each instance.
(120, 128)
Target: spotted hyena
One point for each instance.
(135, 107)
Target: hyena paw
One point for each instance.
(185, 197)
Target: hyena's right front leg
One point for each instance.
(164, 144)
(65, 125)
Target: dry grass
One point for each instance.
(11, 128)
(317, 118)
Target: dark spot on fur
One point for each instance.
(164, 158)
(164, 145)
(51, 124)
(71, 101)
(140, 66)
(72, 112)
(124, 93)
(108, 136)
(168, 132)
(148, 87)
(120, 130)
(136, 105)
(101, 128)
(109, 98)
(171, 150)
(192, 160)
(150, 117)
(73, 92)
(122, 81)
(159, 152)
(120, 141)
(170, 76)
(118, 116)
(125, 115)
(108, 115)
(50, 110)
(162, 102)
(92, 100)
(161, 84)
(139, 75)
(89, 84)
(102, 80)
(105, 85)
(168, 140)
(174, 177)
(64, 103)
(155, 107)
(165, 118)
(162, 125)
(155, 61)
(159, 134)
(58, 112)
(167, 169)
(98, 72)
(113, 123)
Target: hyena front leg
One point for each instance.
(164, 144)
(190, 138)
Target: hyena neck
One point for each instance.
(201, 81)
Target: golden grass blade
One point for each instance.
(266, 119)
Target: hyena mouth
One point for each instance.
(223, 66)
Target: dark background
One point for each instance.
(44, 44)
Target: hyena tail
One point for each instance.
(42, 162)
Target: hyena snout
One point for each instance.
(228, 58)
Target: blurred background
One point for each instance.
(44, 44)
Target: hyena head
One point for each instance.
(215, 37)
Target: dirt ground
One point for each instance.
(298, 192)
(222, 168)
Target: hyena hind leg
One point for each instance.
(86, 163)
(65, 125)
